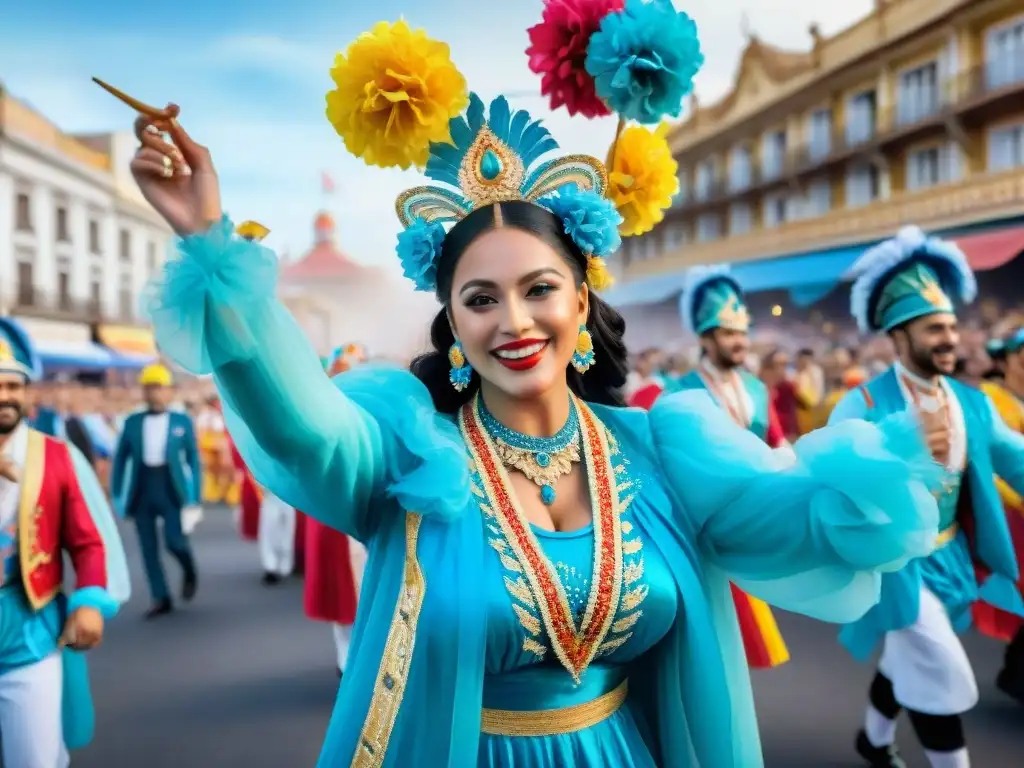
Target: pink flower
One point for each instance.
(558, 50)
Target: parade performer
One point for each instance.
(330, 587)
(550, 570)
(50, 504)
(713, 309)
(220, 484)
(249, 494)
(907, 289)
(155, 476)
(1006, 394)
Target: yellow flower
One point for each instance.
(396, 90)
(598, 276)
(642, 180)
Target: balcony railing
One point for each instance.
(33, 302)
(956, 94)
(978, 198)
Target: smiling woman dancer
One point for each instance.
(551, 571)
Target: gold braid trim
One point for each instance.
(393, 673)
(553, 722)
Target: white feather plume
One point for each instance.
(945, 257)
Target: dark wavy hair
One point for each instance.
(602, 383)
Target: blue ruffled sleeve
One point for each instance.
(333, 449)
(809, 529)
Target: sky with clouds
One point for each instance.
(251, 76)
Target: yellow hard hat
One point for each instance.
(252, 230)
(155, 375)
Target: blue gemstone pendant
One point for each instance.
(542, 459)
(547, 494)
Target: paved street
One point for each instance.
(240, 678)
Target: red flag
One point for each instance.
(326, 183)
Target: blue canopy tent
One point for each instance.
(83, 355)
(808, 277)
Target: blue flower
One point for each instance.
(643, 60)
(419, 248)
(590, 220)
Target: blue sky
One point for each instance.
(251, 76)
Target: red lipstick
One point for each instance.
(520, 363)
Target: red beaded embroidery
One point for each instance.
(575, 647)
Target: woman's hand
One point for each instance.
(176, 177)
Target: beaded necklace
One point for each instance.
(541, 460)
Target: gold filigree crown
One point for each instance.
(491, 159)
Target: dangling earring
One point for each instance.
(583, 357)
(461, 371)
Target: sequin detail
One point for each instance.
(574, 641)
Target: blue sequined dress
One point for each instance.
(456, 614)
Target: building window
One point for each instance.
(95, 291)
(925, 168)
(776, 210)
(704, 180)
(709, 227)
(94, 236)
(26, 284)
(862, 113)
(739, 169)
(64, 285)
(674, 237)
(918, 97)
(819, 143)
(1006, 148)
(126, 298)
(863, 185)
(684, 189)
(741, 219)
(23, 213)
(1004, 55)
(124, 249)
(63, 234)
(818, 200)
(151, 257)
(773, 155)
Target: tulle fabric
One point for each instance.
(361, 451)
(806, 530)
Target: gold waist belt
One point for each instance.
(947, 535)
(553, 722)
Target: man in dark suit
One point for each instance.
(155, 474)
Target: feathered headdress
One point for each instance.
(17, 352)
(494, 156)
(909, 276)
(712, 298)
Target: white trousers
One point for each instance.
(342, 639)
(276, 535)
(30, 715)
(928, 665)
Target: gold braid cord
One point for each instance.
(393, 673)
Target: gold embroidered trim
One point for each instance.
(393, 673)
(946, 535)
(553, 722)
(30, 556)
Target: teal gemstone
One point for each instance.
(547, 494)
(490, 165)
(542, 459)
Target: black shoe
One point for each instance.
(878, 757)
(160, 608)
(1012, 684)
(189, 586)
(271, 578)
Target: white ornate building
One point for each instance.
(337, 301)
(77, 241)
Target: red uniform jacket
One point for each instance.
(53, 516)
